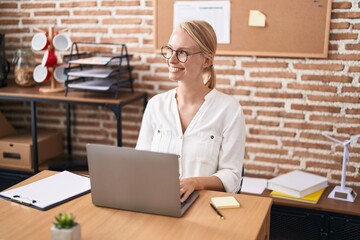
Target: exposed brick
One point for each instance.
(341, 5)
(89, 30)
(351, 15)
(305, 126)
(261, 141)
(267, 150)
(78, 21)
(332, 119)
(273, 75)
(311, 155)
(329, 67)
(264, 64)
(119, 40)
(354, 69)
(346, 99)
(339, 25)
(311, 164)
(36, 5)
(352, 46)
(271, 132)
(135, 12)
(120, 3)
(343, 36)
(230, 72)
(259, 122)
(278, 95)
(315, 108)
(353, 111)
(262, 104)
(280, 114)
(8, 5)
(259, 84)
(326, 78)
(348, 130)
(122, 21)
(78, 4)
(278, 161)
(14, 14)
(138, 30)
(304, 144)
(92, 13)
(9, 22)
(312, 87)
(344, 56)
(39, 21)
(52, 13)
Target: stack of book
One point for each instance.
(298, 186)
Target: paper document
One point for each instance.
(257, 19)
(216, 13)
(49, 192)
(96, 61)
(95, 72)
(253, 185)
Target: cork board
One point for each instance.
(293, 28)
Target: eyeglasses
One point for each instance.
(181, 55)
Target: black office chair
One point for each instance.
(242, 179)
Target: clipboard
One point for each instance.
(49, 192)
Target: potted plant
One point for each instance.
(65, 228)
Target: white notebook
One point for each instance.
(297, 183)
(49, 192)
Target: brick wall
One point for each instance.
(287, 102)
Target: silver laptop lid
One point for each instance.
(129, 179)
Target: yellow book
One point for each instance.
(311, 198)
(225, 202)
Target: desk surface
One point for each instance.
(250, 221)
(15, 92)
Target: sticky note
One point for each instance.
(257, 19)
(225, 202)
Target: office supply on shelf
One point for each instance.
(97, 64)
(253, 185)
(217, 211)
(225, 202)
(342, 192)
(251, 221)
(96, 61)
(49, 192)
(297, 183)
(145, 181)
(311, 198)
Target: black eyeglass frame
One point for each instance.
(178, 52)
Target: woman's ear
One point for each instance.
(208, 62)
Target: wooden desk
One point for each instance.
(250, 221)
(33, 95)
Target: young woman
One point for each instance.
(206, 128)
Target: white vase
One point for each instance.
(73, 233)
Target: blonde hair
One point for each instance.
(205, 37)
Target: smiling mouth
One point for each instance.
(174, 69)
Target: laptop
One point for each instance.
(135, 180)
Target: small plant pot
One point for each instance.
(73, 233)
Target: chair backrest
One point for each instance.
(242, 179)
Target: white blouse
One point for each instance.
(213, 143)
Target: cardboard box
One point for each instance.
(5, 127)
(16, 149)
